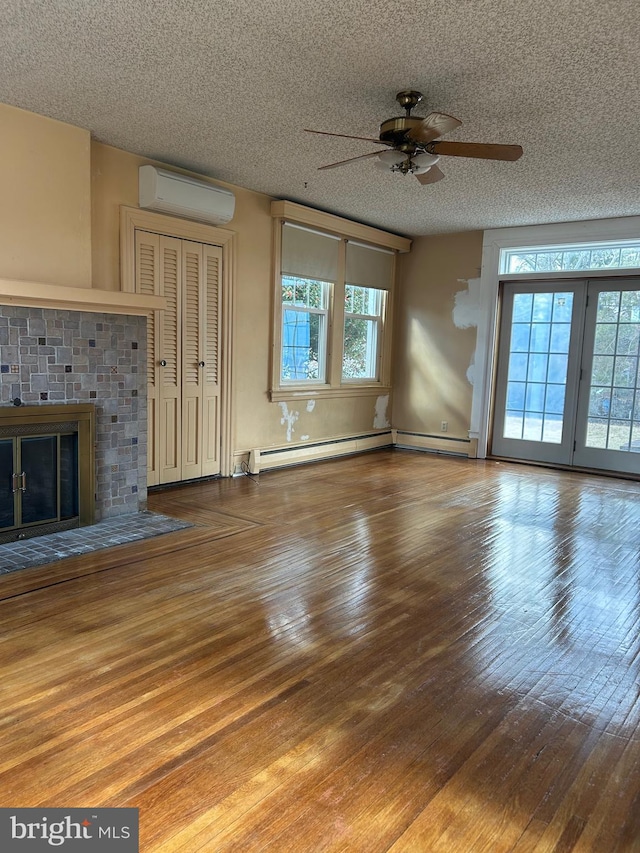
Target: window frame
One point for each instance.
(377, 319)
(322, 312)
(334, 385)
(510, 253)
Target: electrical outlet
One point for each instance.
(444, 426)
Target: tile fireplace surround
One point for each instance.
(60, 356)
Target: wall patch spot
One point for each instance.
(288, 418)
(466, 305)
(466, 312)
(311, 404)
(380, 420)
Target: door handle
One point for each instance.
(23, 482)
(201, 363)
(163, 362)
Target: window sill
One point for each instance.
(282, 394)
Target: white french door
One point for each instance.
(568, 385)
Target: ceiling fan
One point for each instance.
(413, 145)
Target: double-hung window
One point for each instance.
(304, 329)
(362, 320)
(333, 299)
(368, 278)
(309, 272)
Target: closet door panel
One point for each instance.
(211, 437)
(169, 361)
(170, 449)
(191, 437)
(147, 248)
(192, 277)
(212, 269)
(183, 356)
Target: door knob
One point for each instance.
(163, 362)
(201, 363)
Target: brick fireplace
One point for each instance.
(51, 356)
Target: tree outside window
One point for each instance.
(362, 316)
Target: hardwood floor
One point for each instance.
(395, 652)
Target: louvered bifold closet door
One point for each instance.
(191, 370)
(169, 347)
(211, 323)
(200, 411)
(148, 283)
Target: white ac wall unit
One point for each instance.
(171, 192)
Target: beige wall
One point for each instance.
(59, 225)
(45, 216)
(257, 423)
(434, 343)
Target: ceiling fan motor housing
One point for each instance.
(393, 131)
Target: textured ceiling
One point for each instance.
(225, 88)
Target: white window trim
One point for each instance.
(494, 243)
(347, 231)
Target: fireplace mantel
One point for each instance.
(31, 294)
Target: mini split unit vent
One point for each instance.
(180, 195)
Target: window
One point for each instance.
(304, 329)
(310, 262)
(623, 254)
(332, 301)
(362, 321)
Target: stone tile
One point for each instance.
(129, 527)
(38, 343)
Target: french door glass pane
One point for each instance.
(614, 390)
(537, 374)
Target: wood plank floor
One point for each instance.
(395, 652)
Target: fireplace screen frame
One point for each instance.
(27, 421)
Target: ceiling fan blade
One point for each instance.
(434, 174)
(477, 149)
(350, 160)
(345, 136)
(432, 127)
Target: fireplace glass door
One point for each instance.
(39, 483)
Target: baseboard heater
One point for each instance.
(435, 443)
(264, 460)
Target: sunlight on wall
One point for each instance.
(436, 335)
(434, 385)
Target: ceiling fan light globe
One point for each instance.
(424, 161)
(391, 157)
